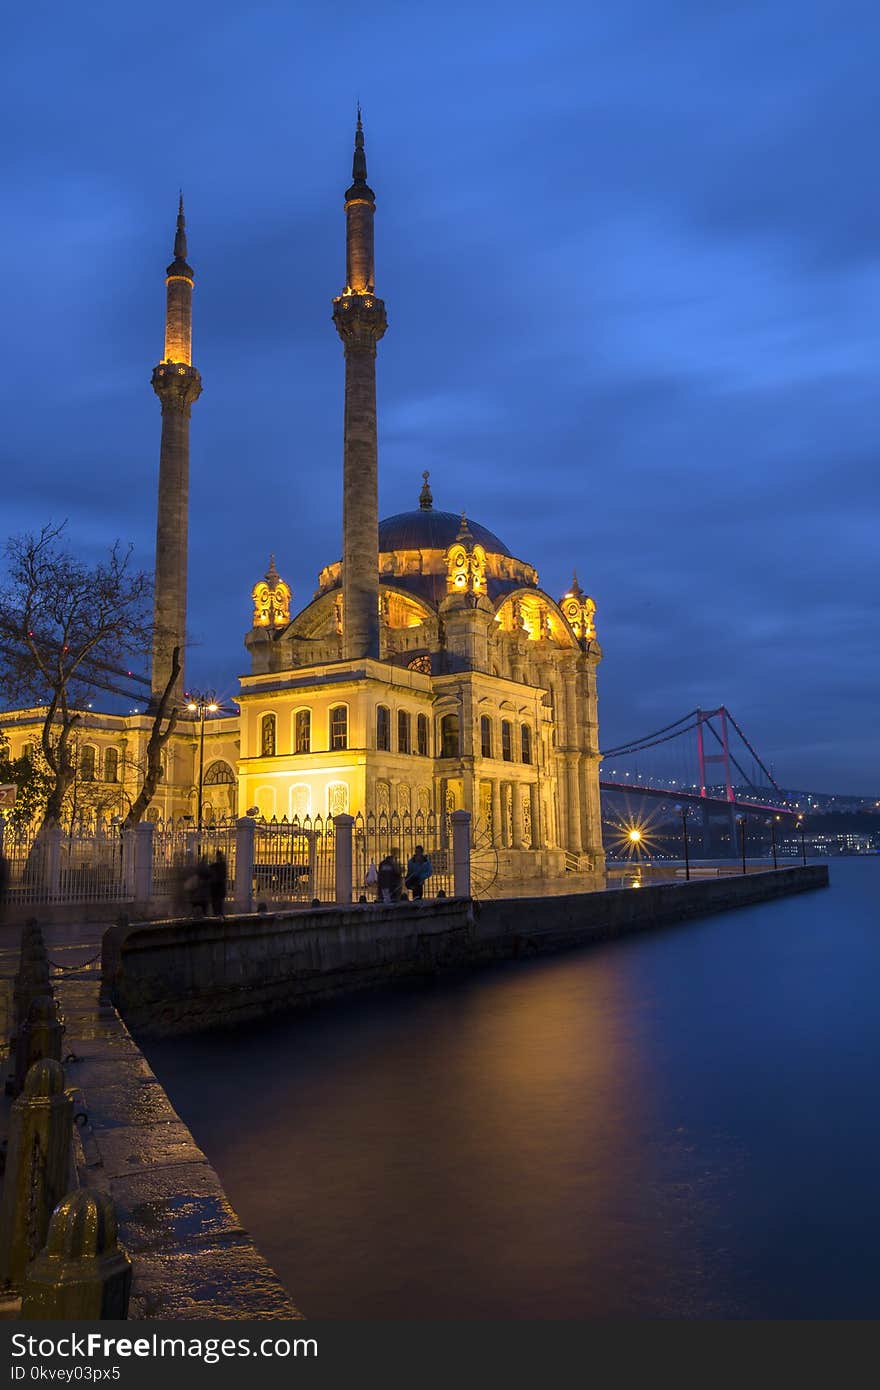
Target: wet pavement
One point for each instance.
(191, 1256)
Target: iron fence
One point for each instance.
(397, 834)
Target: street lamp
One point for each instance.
(200, 705)
(682, 811)
(741, 822)
(772, 824)
(802, 828)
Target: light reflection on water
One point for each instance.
(679, 1125)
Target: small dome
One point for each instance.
(429, 530)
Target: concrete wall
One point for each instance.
(172, 977)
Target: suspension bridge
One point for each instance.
(705, 749)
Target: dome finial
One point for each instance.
(426, 500)
(272, 575)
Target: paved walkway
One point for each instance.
(191, 1256)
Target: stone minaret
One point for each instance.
(360, 321)
(177, 384)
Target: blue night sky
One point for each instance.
(631, 260)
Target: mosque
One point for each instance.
(429, 672)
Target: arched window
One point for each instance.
(300, 800)
(506, 741)
(422, 736)
(404, 742)
(449, 739)
(218, 773)
(337, 799)
(526, 740)
(267, 736)
(302, 731)
(383, 727)
(339, 728)
(111, 764)
(485, 736)
(87, 763)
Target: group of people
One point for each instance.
(389, 881)
(201, 886)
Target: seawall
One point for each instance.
(181, 976)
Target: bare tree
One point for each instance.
(61, 622)
(165, 714)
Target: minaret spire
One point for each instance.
(180, 235)
(360, 321)
(177, 384)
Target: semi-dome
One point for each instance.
(426, 529)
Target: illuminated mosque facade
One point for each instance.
(429, 672)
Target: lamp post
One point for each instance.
(802, 829)
(772, 824)
(741, 822)
(200, 705)
(682, 811)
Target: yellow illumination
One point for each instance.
(635, 836)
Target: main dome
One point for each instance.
(426, 529)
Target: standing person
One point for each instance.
(199, 888)
(390, 879)
(417, 871)
(217, 876)
(371, 881)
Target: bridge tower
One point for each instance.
(703, 718)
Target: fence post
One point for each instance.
(37, 1166)
(245, 828)
(343, 825)
(461, 853)
(143, 861)
(83, 1273)
(52, 861)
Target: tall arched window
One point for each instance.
(449, 738)
(404, 740)
(337, 799)
(383, 727)
(422, 735)
(526, 740)
(506, 741)
(339, 727)
(267, 736)
(87, 763)
(485, 736)
(302, 731)
(111, 764)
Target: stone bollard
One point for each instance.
(461, 853)
(32, 980)
(37, 1166)
(245, 827)
(83, 1273)
(39, 1036)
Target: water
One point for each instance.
(684, 1124)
